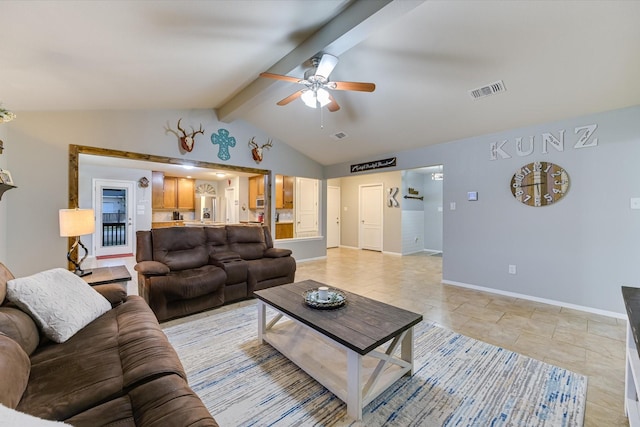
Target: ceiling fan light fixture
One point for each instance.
(312, 98)
(323, 97)
(309, 98)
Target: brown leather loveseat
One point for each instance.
(120, 369)
(184, 270)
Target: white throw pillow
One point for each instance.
(12, 418)
(59, 301)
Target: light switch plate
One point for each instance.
(452, 206)
(634, 202)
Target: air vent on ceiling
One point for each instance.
(490, 89)
(338, 136)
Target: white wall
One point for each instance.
(433, 212)
(392, 217)
(578, 251)
(142, 196)
(38, 143)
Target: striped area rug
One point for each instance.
(457, 381)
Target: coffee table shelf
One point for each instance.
(352, 351)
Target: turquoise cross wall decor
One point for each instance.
(225, 141)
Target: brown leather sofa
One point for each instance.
(119, 370)
(184, 270)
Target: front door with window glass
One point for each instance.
(113, 204)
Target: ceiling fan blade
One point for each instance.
(362, 87)
(290, 98)
(333, 105)
(326, 65)
(280, 77)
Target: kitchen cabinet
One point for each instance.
(170, 192)
(256, 190)
(287, 202)
(186, 194)
(157, 190)
(284, 192)
(284, 230)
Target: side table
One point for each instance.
(105, 275)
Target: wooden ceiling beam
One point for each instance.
(343, 32)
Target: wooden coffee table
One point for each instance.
(342, 349)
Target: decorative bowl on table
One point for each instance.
(335, 299)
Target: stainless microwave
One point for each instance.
(260, 202)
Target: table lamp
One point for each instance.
(76, 223)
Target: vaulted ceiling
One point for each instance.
(557, 59)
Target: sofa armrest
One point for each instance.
(277, 253)
(113, 292)
(152, 268)
(220, 258)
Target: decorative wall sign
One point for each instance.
(225, 141)
(539, 184)
(143, 182)
(583, 134)
(391, 197)
(376, 164)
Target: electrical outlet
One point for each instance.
(512, 269)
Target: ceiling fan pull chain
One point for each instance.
(321, 119)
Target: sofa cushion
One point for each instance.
(58, 300)
(216, 239)
(121, 349)
(247, 241)
(14, 371)
(13, 418)
(164, 401)
(194, 283)
(180, 248)
(21, 328)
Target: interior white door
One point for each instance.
(370, 213)
(230, 205)
(333, 217)
(113, 203)
(306, 207)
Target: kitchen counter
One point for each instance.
(163, 224)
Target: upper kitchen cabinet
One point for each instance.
(284, 192)
(256, 190)
(170, 192)
(157, 190)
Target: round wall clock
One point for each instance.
(539, 184)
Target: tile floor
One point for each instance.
(586, 343)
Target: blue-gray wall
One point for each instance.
(578, 251)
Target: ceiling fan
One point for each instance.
(316, 80)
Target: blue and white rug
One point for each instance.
(457, 381)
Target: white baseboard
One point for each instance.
(538, 299)
(392, 253)
(310, 259)
(349, 247)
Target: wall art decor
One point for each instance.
(256, 150)
(225, 141)
(187, 140)
(392, 202)
(376, 164)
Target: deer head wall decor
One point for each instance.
(187, 140)
(256, 150)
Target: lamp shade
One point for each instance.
(76, 222)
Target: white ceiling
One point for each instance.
(558, 59)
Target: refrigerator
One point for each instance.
(208, 209)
